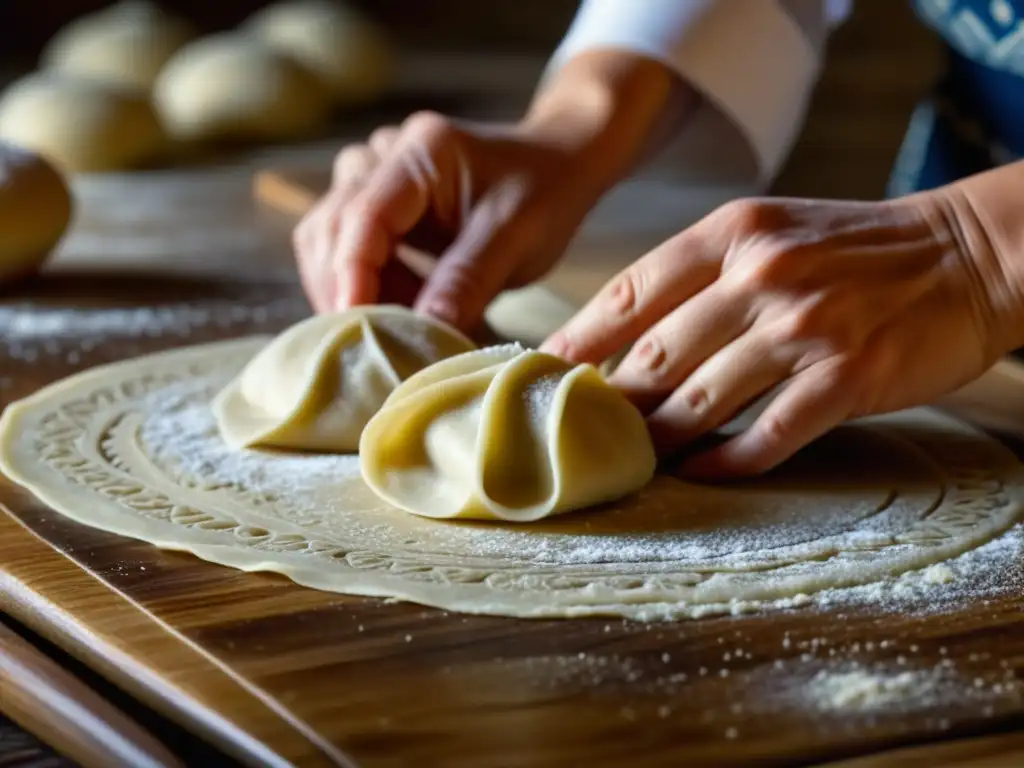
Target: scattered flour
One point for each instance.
(861, 689)
(30, 332)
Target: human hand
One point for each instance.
(854, 308)
(496, 203)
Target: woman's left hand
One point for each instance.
(854, 308)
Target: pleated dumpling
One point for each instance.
(314, 387)
(505, 433)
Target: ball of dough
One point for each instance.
(81, 125)
(347, 51)
(228, 87)
(505, 433)
(126, 44)
(35, 209)
(316, 385)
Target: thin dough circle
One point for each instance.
(505, 433)
(315, 386)
(35, 209)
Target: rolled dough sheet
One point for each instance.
(133, 449)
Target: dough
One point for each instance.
(505, 433)
(133, 448)
(317, 384)
(81, 125)
(228, 87)
(126, 44)
(347, 51)
(35, 209)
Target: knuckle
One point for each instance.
(624, 294)
(384, 136)
(750, 215)
(774, 431)
(345, 157)
(429, 126)
(766, 267)
(651, 355)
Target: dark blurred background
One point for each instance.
(878, 65)
(449, 24)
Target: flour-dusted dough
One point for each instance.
(133, 449)
(81, 125)
(125, 44)
(347, 51)
(35, 208)
(232, 88)
(505, 433)
(315, 386)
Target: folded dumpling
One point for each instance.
(316, 385)
(505, 433)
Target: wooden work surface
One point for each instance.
(274, 674)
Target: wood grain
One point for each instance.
(277, 674)
(49, 702)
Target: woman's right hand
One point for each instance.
(497, 204)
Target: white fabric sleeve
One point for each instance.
(756, 61)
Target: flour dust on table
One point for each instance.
(133, 448)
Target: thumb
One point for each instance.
(494, 240)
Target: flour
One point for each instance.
(861, 689)
(29, 332)
(181, 432)
(901, 494)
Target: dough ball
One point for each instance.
(316, 385)
(35, 208)
(505, 433)
(126, 44)
(348, 52)
(228, 87)
(81, 125)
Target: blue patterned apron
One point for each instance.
(974, 119)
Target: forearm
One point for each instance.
(610, 107)
(989, 208)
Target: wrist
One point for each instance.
(983, 215)
(603, 109)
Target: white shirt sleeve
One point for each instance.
(755, 61)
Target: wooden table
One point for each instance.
(404, 685)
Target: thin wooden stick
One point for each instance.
(54, 705)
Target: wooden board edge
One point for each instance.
(38, 607)
(993, 751)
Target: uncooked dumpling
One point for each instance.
(505, 433)
(228, 87)
(80, 124)
(126, 44)
(35, 208)
(315, 386)
(347, 51)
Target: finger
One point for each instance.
(818, 399)
(417, 176)
(383, 140)
(354, 164)
(719, 389)
(637, 298)
(481, 259)
(676, 345)
(311, 240)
